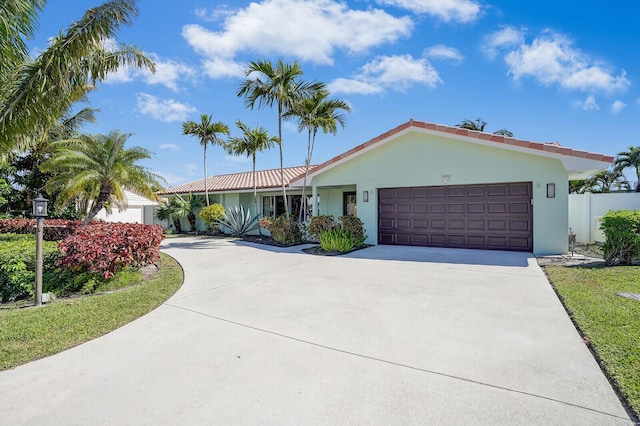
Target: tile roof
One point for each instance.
(551, 147)
(238, 181)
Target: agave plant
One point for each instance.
(239, 221)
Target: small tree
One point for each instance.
(622, 232)
(212, 215)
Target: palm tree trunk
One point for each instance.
(255, 191)
(206, 192)
(284, 190)
(105, 193)
(303, 210)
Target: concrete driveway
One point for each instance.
(383, 336)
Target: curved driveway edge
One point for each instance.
(385, 335)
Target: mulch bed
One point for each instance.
(269, 241)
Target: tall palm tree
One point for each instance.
(252, 141)
(35, 93)
(100, 168)
(208, 133)
(608, 179)
(630, 158)
(479, 124)
(281, 85)
(313, 113)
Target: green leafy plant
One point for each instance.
(212, 215)
(622, 236)
(353, 225)
(286, 231)
(319, 224)
(239, 222)
(337, 240)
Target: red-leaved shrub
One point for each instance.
(54, 229)
(105, 248)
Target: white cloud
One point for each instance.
(170, 146)
(168, 73)
(215, 14)
(589, 104)
(552, 60)
(167, 110)
(388, 72)
(617, 106)
(441, 51)
(447, 10)
(505, 37)
(310, 30)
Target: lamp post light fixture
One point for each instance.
(39, 212)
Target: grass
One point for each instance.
(610, 322)
(28, 334)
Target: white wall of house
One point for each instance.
(585, 211)
(137, 211)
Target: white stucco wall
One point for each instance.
(585, 211)
(417, 159)
(133, 213)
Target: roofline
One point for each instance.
(549, 149)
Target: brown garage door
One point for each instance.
(488, 216)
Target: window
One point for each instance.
(273, 205)
(349, 204)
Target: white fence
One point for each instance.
(585, 211)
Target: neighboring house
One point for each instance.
(426, 184)
(139, 210)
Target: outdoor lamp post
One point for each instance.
(39, 212)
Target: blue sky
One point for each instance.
(546, 70)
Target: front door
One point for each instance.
(349, 204)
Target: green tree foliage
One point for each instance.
(622, 236)
(207, 132)
(99, 168)
(280, 85)
(213, 214)
(631, 159)
(36, 92)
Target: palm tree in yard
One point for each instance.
(36, 92)
(252, 141)
(630, 158)
(99, 168)
(314, 113)
(281, 85)
(479, 124)
(207, 132)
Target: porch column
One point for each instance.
(314, 200)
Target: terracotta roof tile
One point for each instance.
(238, 181)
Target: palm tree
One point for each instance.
(630, 158)
(479, 124)
(280, 85)
(313, 113)
(252, 141)
(35, 93)
(606, 180)
(166, 210)
(208, 133)
(100, 168)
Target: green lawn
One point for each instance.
(27, 334)
(611, 322)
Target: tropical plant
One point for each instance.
(606, 180)
(284, 230)
(36, 92)
(166, 210)
(630, 158)
(99, 168)
(312, 113)
(621, 229)
(207, 132)
(187, 207)
(281, 85)
(319, 224)
(354, 226)
(239, 221)
(212, 215)
(252, 141)
(337, 240)
(479, 124)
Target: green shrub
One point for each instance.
(354, 226)
(622, 236)
(319, 224)
(285, 232)
(212, 215)
(18, 263)
(337, 240)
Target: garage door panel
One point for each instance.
(484, 216)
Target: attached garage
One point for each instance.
(425, 184)
(483, 216)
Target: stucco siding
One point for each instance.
(416, 159)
